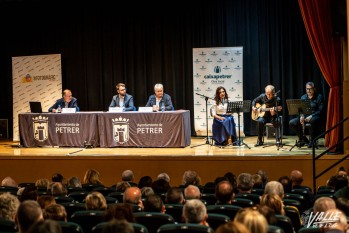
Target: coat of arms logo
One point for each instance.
(40, 127)
(121, 130)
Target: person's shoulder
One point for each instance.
(167, 95)
(129, 96)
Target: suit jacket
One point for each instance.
(166, 100)
(72, 104)
(128, 102)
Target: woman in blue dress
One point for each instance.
(223, 127)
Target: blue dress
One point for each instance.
(222, 129)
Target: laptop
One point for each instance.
(35, 107)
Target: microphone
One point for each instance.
(276, 93)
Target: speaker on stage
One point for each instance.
(3, 128)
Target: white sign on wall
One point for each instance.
(35, 78)
(214, 67)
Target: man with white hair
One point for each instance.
(128, 176)
(274, 187)
(164, 176)
(160, 101)
(194, 211)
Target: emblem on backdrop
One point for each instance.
(121, 130)
(40, 127)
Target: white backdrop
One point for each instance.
(35, 78)
(214, 67)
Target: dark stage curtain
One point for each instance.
(141, 44)
(327, 50)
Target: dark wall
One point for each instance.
(141, 44)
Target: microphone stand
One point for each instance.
(207, 141)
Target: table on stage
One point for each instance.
(106, 129)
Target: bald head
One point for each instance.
(8, 181)
(192, 192)
(296, 177)
(133, 195)
(323, 204)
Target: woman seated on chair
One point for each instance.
(223, 128)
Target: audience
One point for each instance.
(274, 202)
(74, 182)
(9, 182)
(224, 193)
(232, 227)
(194, 211)
(252, 219)
(8, 206)
(147, 191)
(128, 176)
(323, 204)
(174, 196)
(133, 195)
(145, 181)
(118, 226)
(46, 200)
(274, 187)
(191, 177)
(92, 177)
(164, 176)
(192, 192)
(119, 211)
(245, 183)
(57, 177)
(95, 201)
(55, 212)
(28, 213)
(47, 226)
(153, 203)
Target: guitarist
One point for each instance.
(264, 106)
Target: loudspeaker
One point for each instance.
(3, 128)
(339, 17)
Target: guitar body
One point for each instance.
(259, 113)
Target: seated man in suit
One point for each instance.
(160, 100)
(67, 101)
(122, 99)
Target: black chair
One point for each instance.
(209, 198)
(326, 191)
(90, 187)
(306, 193)
(26, 184)
(293, 214)
(9, 189)
(70, 227)
(117, 195)
(111, 200)
(250, 196)
(152, 220)
(87, 219)
(330, 195)
(75, 189)
(175, 210)
(309, 230)
(285, 223)
(295, 203)
(104, 190)
(136, 208)
(63, 199)
(215, 220)
(298, 197)
(274, 229)
(138, 228)
(78, 196)
(209, 188)
(242, 202)
(8, 226)
(185, 228)
(71, 208)
(257, 191)
(228, 210)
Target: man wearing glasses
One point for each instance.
(122, 99)
(298, 124)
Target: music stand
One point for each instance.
(238, 107)
(296, 107)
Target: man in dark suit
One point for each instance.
(67, 101)
(160, 101)
(122, 99)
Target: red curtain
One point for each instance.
(317, 19)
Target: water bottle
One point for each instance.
(163, 108)
(59, 109)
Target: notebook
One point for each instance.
(35, 107)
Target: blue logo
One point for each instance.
(217, 69)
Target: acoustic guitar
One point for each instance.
(260, 111)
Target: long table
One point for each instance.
(105, 129)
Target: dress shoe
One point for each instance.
(259, 143)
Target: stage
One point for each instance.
(30, 164)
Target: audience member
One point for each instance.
(29, 193)
(58, 189)
(194, 211)
(147, 191)
(174, 196)
(55, 212)
(145, 181)
(252, 219)
(274, 187)
(232, 227)
(273, 201)
(28, 213)
(232, 179)
(46, 200)
(343, 205)
(264, 176)
(192, 192)
(191, 177)
(119, 211)
(8, 206)
(42, 184)
(164, 176)
(160, 186)
(322, 204)
(122, 186)
(74, 182)
(128, 176)
(47, 226)
(224, 193)
(57, 177)
(118, 226)
(257, 181)
(268, 213)
(95, 201)
(160, 100)
(153, 203)
(92, 177)
(133, 195)
(337, 224)
(245, 183)
(286, 183)
(9, 182)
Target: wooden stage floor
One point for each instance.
(29, 164)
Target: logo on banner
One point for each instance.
(27, 79)
(121, 130)
(217, 69)
(40, 126)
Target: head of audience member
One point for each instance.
(92, 177)
(273, 201)
(42, 184)
(46, 226)
(119, 211)
(286, 183)
(29, 193)
(232, 227)
(191, 177)
(164, 176)
(341, 172)
(9, 182)
(264, 176)
(74, 182)
(245, 183)
(122, 186)
(296, 178)
(194, 211)
(8, 206)
(322, 204)
(147, 191)
(57, 177)
(160, 186)
(219, 179)
(58, 189)
(153, 203)
(338, 182)
(257, 181)
(28, 213)
(342, 204)
(95, 201)
(159, 90)
(268, 213)
(46, 200)
(121, 89)
(174, 196)
(338, 222)
(55, 212)
(119, 226)
(224, 192)
(127, 176)
(192, 192)
(145, 181)
(252, 219)
(231, 177)
(274, 187)
(67, 96)
(270, 92)
(133, 195)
